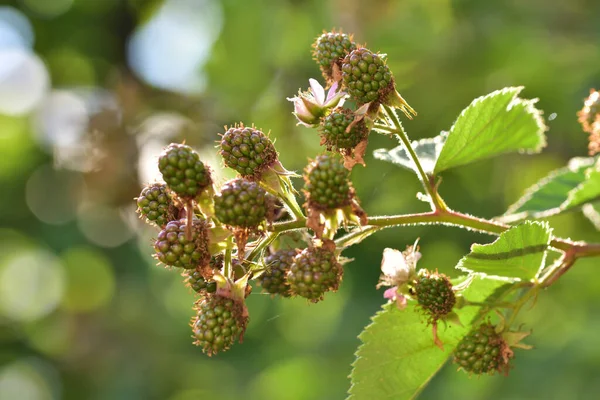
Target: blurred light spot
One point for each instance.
(53, 195)
(103, 225)
(23, 81)
(552, 116)
(31, 285)
(90, 279)
(48, 9)
(310, 325)
(22, 381)
(294, 379)
(169, 51)
(52, 336)
(15, 29)
(177, 297)
(16, 147)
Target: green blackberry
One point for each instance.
(156, 205)
(366, 77)
(434, 294)
(247, 150)
(218, 323)
(183, 171)
(335, 133)
(273, 280)
(327, 183)
(314, 271)
(195, 280)
(329, 50)
(242, 203)
(172, 247)
(483, 351)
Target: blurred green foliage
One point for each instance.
(84, 311)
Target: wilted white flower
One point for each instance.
(398, 268)
(311, 106)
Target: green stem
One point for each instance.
(428, 182)
(267, 240)
(227, 270)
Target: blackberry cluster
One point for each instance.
(174, 249)
(314, 272)
(242, 203)
(483, 351)
(435, 295)
(156, 205)
(327, 183)
(366, 76)
(329, 50)
(277, 265)
(183, 171)
(247, 150)
(338, 133)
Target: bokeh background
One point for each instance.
(90, 91)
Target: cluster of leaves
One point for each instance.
(224, 238)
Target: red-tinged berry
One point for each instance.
(243, 204)
(183, 171)
(483, 351)
(314, 272)
(195, 280)
(329, 50)
(434, 294)
(589, 118)
(219, 322)
(277, 265)
(156, 205)
(327, 183)
(174, 249)
(339, 131)
(247, 150)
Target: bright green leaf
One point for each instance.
(518, 253)
(497, 123)
(548, 196)
(427, 150)
(587, 191)
(397, 357)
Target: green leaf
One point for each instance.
(397, 357)
(548, 196)
(427, 150)
(587, 191)
(518, 253)
(497, 123)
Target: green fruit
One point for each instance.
(174, 249)
(183, 171)
(314, 272)
(366, 77)
(155, 204)
(195, 280)
(273, 280)
(335, 133)
(327, 183)
(219, 322)
(242, 203)
(481, 351)
(435, 295)
(330, 49)
(247, 150)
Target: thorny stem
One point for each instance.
(227, 269)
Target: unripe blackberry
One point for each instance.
(242, 203)
(183, 171)
(327, 183)
(435, 295)
(174, 249)
(335, 133)
(273, 280)
(329, 50)
(156, 205)
(218, 323)
(247, 150)
(195, 280)
(483, 351)
(314, 271)
(366, 76)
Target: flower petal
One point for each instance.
(317, 90)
